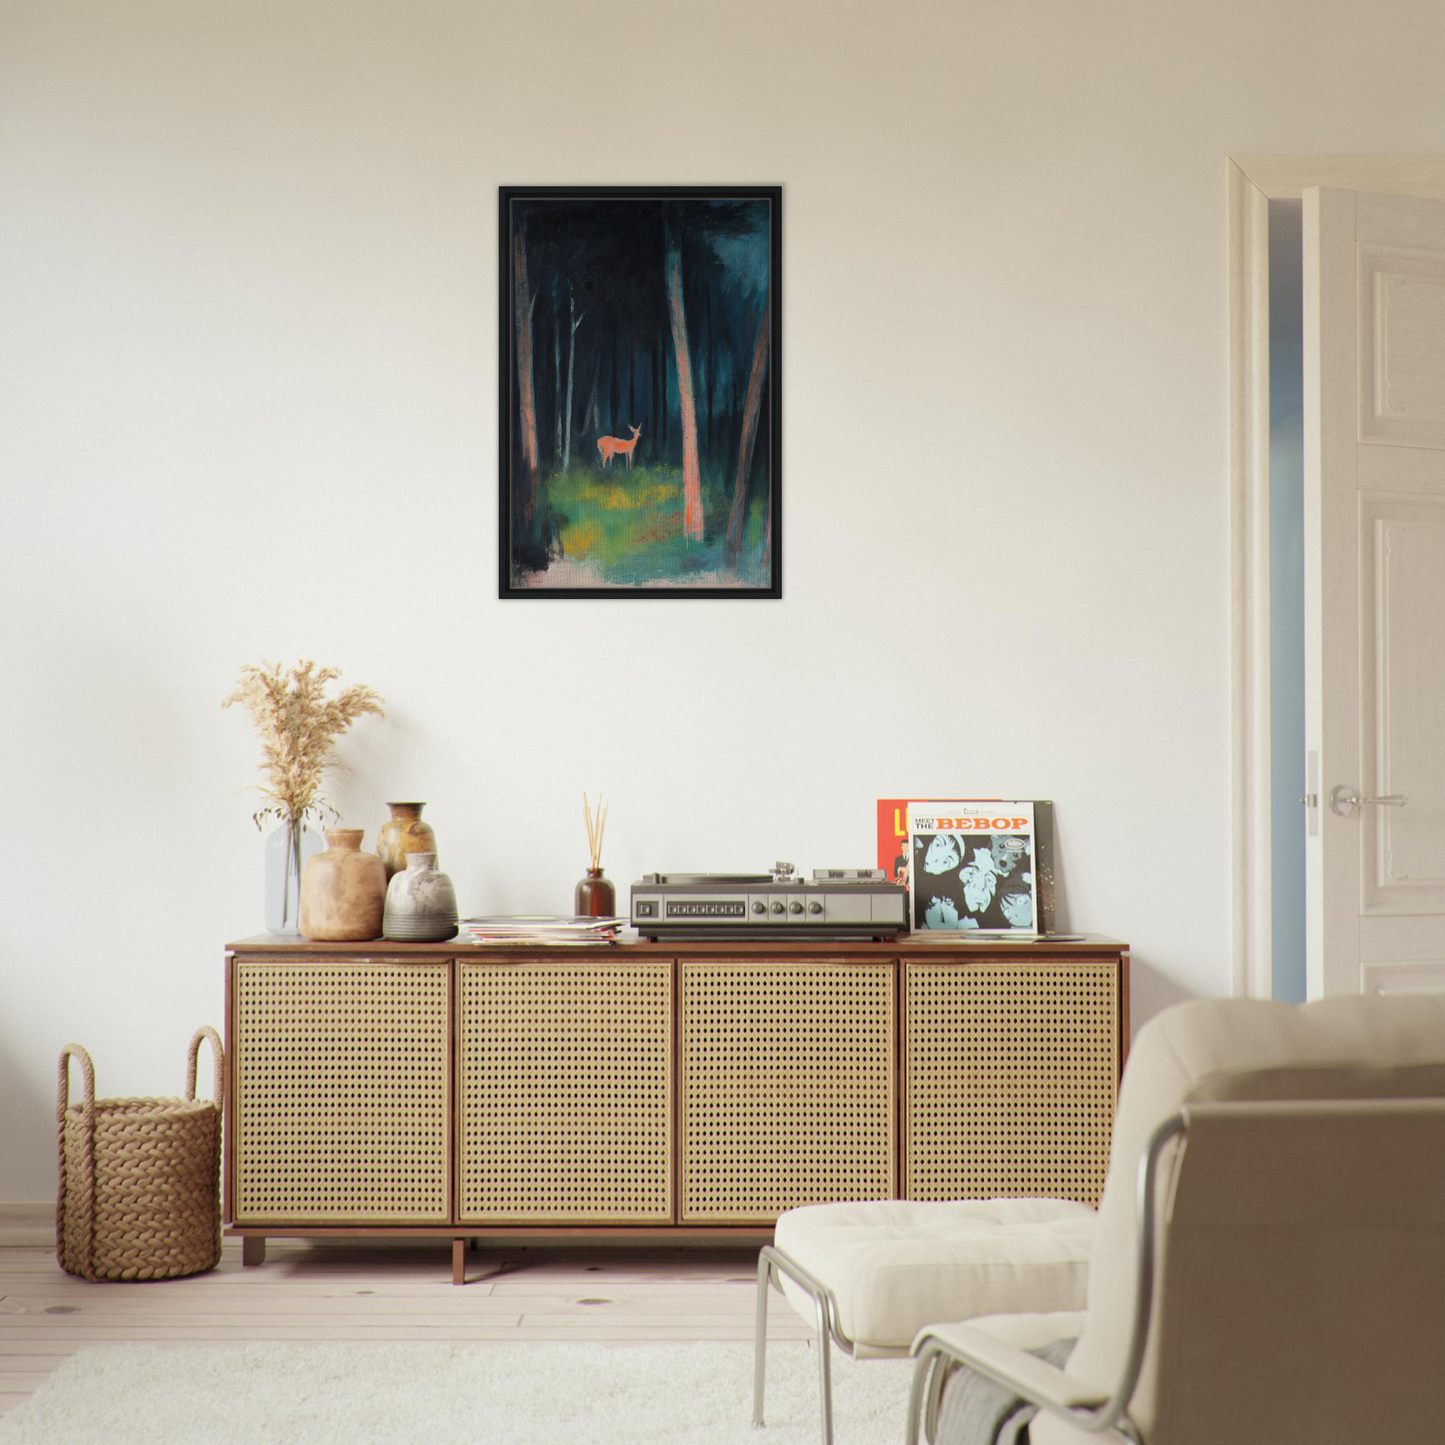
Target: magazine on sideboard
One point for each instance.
(991, 870)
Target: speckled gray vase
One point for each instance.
(421, 904)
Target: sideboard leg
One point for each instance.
(253, 1249)
(459, 1261)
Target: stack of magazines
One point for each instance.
(528, 929)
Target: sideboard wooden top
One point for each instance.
(905, 946)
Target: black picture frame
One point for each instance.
(704, 518)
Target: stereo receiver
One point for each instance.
(834, 903)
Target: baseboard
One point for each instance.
(29, 1223)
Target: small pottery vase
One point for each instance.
(421, 904)
(404, 833)
(288, 849)
(595, 896)
(342, 890)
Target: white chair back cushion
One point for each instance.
(1233, 1049)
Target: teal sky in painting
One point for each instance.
(746, 257)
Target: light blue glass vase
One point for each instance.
(287, 849)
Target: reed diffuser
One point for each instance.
(595, 896)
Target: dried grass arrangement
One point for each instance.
(298, 726)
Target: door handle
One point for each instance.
(1344, 800)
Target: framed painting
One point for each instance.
(639, 406)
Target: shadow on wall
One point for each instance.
(1150, 991)
(27, 1129)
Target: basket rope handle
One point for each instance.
(87, 1070)
(84, 1187)
(218, 1056)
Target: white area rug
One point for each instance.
(490, 1394)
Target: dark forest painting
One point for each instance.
(640, 436)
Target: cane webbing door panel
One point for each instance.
(639, 1089)
(342, 1091)
(787, 1078)
(566, 1092)
(1010, 1076)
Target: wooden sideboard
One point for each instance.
(657, 1091)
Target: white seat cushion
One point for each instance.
(897, 1265)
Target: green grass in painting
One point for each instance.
(628, 524)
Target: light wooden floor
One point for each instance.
(381, 1292)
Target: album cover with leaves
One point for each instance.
(982, 865)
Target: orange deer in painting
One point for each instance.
(615, 446)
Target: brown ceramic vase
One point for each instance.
(343, 890)
(595, 897)
(403, 833)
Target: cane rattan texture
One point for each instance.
(566, 1092)
(139, 1193)
(342, 1091)
(787, 1086)
(1010, 1078)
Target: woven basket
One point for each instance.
(139, 1178)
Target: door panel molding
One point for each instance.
(1402, 558)
(1402, 320)
(1404, 978)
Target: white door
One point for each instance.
(1374, 424)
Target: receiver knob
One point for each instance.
(815, 907)
(759, 906)
(795, 908)
(777, 908)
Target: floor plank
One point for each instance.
(381, 1292)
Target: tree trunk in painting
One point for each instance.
(526, 399)
(751, 409)
(653, 368)
(573, 322)
(662, 384)
(691, 474)
(612, 386)
(710, 448)
(556, 376)
(589, 412)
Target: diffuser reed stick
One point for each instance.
(596, 827)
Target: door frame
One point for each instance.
(1252, 182)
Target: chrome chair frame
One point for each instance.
(937, 1358)
(771, 1264)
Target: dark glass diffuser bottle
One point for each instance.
(595, 896)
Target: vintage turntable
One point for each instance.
(834, 903)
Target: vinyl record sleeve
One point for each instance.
(896, 860)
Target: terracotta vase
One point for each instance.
(421, 904)
(404, 833)
(343, 890)
(595, 897)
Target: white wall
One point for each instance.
(248, 340)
